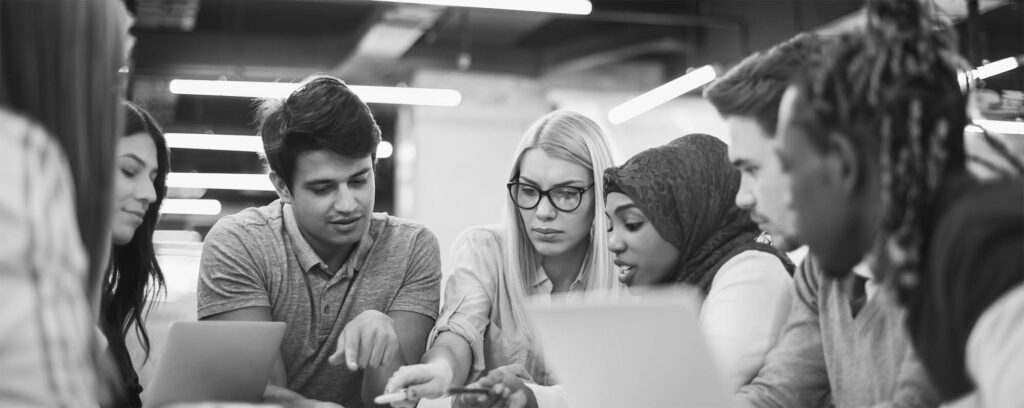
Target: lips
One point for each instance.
(626, 272)
(345, 223)
(546, 231)
(760, 220)
(544, 234)
(137, 213)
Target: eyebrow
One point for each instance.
(622, 208)
(741, 162)
(362, 172)
(782, 155)
(134, 157)
(564, 183)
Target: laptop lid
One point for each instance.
(629, 352)
(215, 361)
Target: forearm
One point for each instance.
(453, 351)
(279, 394)
(376, 379)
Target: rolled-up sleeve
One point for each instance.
(468, 296)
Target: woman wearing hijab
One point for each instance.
(674, 222)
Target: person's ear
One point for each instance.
(282, 188)
(844, 165)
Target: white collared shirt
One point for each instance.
(863, 270)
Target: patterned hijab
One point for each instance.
(687, 189)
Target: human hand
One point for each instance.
(429, 380)
(507, 386)
(369, 340)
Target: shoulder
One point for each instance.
(479, 252)
(752, 266)
(1000, 320)
(254, 224)
(27, 145)
(14, 127)
(389, 227)
(482, 236)
(252, 218)
(995, 348)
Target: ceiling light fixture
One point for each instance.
(997, 126)
(234, 143)
(580, 7)
(220, 181)
(190, 206)
(369, 94)
(989, 70)
(657, 96)
(214, 142)
(996, 67)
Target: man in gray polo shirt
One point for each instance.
(359, 290)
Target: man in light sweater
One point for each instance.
(844, 342)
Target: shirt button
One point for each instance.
(327, 309)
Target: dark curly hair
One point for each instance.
(893, 91)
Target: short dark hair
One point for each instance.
(322, 114)
(754, 87)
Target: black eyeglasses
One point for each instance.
(565, 199)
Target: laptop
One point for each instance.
(629, 352)
(215, 361)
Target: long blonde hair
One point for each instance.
(573, 137)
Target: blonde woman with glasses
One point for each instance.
(552, 241)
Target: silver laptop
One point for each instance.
(215, 361)
(629, 352)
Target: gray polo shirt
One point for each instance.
(258, 258)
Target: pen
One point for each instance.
(396, 396)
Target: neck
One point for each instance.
(334, 256)
(562, 269)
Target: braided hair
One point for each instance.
(893, 91)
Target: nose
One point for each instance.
(345, 201)
(145, 191)
(615, 243)
(745, 197)
(545, 211)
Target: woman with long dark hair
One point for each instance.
(134, 276)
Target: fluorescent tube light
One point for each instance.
(235, 143)
(220, 181)
(190, 206)
(214, 142)
(657, 96)
(996, 68)
(997, 126)
(369, 94)
(580, 7)
(176, 236)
